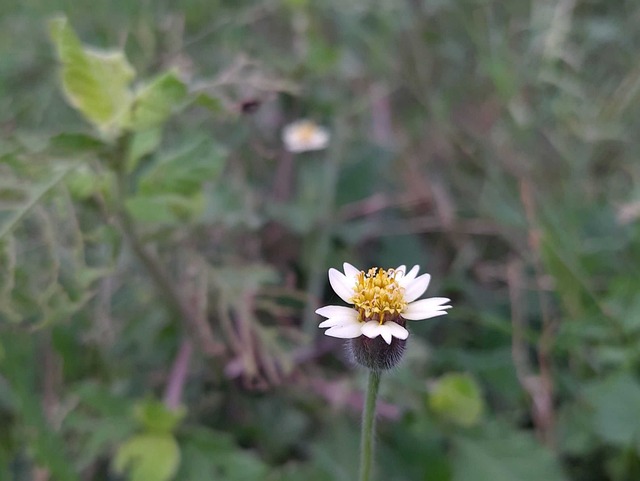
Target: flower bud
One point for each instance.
(375, 353)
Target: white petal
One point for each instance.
(341, 285)
(426, 308)
(416, 287)
(337, 311)
(338, 321)
(342, 318)
(351, 272)
(345, 332)
(386, 334)
(409, 276)
(413, 272)
(387, 331)
(436, 303)
(305, 135)
(401, 271)
(396, 330)
(371, 329)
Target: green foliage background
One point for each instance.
(162, 254)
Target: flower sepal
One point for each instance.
(375, 353)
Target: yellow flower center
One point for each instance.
(306, 131)
(378, 295)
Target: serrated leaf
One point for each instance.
(148, 457)
(156, 101)
(457, 398)
(183, 172)
(95, 83)
(101, 420)
(37, 193)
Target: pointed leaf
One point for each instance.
(96, 83)
(184, 171)
(155, 102)
(73, 143)
(142, 143)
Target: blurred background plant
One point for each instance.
(162, 253)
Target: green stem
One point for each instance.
(162, 281)
(317, 271)
(368, 426)
(157, 274)
(151, 264)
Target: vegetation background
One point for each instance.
(162, 253)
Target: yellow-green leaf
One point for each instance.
(156, 417)
(457, 398)
(156, 101)
(96, 83)
(148, 457)
(142, 143)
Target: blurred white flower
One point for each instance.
(628, 213)
(382, 300)
(304, 135)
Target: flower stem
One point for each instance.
(368, 426)
(322, 247)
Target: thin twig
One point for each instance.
(178, 376)
(543, 400)
(159, 277)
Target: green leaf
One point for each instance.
(20, 371)
(615, 404)
(100, 421)
(503, 455)
(148, 457)
(209, 102)
(155, 416)
(165, 209)
(156, 101)
(184, 171)
(575, 431)
(96, 83)
(37, 193)
(73, 143)
(457, 398)
(142, 143)
(211, 454)
(82, 182)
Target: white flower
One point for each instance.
(382, 300)
(304, 135)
